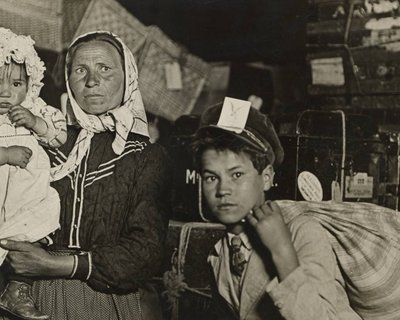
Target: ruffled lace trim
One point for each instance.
(20, 49)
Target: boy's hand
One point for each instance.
(19, 156)
(21, 116)
(268, 222)
(274, 234)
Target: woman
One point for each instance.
(113, 186)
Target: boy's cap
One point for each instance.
(258, 131)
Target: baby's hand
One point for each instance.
(272, 230)
(19, 156)
(21, 116)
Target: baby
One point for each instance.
(29, 207)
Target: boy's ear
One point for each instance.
(268, 176)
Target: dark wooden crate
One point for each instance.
(377, 71)
(327, 32)
(323, 10)
(381, 104)
(367, 71)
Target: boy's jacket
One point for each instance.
(253, 288)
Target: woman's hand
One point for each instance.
(29, 260)
(275, 235)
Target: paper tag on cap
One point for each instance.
(234, 114)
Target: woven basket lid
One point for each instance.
(51, 23)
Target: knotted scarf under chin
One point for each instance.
(82, 145)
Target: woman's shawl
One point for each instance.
(129, 117)
(366, 241)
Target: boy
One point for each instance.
(263, 268)
(29, 207)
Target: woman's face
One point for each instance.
(97, 77)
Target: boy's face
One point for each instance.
(13, 86)
(231, 184)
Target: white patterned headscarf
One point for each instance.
(129, 117)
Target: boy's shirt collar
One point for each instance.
(245, 239)
(243, 236)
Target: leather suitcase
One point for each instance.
(187, 275)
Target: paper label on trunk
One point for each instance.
(309, 186)
(173, 76)
(327, 71)
(359, 186)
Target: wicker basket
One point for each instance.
(51, 23)
(54, 23)
(40, 19)
(159, 100)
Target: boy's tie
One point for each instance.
(238, 260)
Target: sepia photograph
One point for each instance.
(199, 159)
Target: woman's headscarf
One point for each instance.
(128, 117)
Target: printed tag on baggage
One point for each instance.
(328, 71)
(359, 186)
(336, 192)
(173, 76)
(309, 186)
